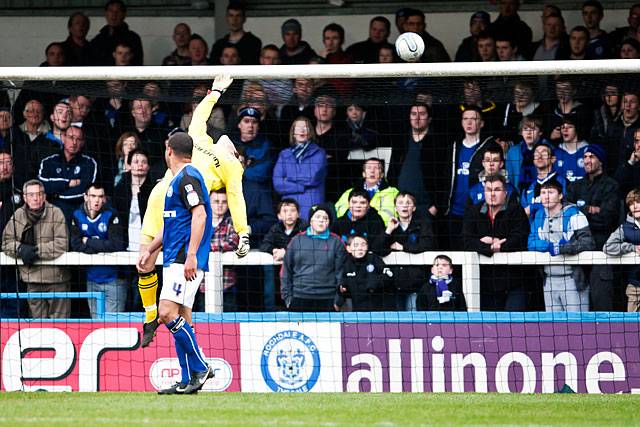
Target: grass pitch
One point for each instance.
(338, 409)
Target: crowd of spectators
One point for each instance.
(333, 183)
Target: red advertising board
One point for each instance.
(92, 356)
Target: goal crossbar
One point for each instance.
(610, 66)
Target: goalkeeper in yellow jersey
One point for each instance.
(219, 165)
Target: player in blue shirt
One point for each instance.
(185, 238)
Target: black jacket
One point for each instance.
(364, 281)
(428, 299)
(370, 226)
(510, 223)
(602, 191)
(628, 177)
(417, 238)
(103, 44)
(435, 171)
(276, 238)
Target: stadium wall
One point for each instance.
(351, 352)
(25, 38)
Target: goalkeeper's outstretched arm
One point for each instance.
(198, 126)
(226, 167)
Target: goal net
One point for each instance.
(414, 227)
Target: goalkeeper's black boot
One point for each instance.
(149, 332)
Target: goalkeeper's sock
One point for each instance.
(185, 339)
(148, 287)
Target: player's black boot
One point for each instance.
(198, 379)
(177, 388)
(149, 332)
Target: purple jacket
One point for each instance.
(302, 180)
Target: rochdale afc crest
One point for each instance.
(290, 362)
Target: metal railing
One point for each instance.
(470, 262)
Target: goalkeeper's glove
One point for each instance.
(243, 245)
(221, 83)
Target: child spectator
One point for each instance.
(408, 233)
(561, 229)
(362, 220)
(224, 239)
(313, 265)
(492, 164)
(277, 239)
(570, 151)
(363, 280)
(442, 292)
(626, 239)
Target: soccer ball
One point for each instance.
(410, 46)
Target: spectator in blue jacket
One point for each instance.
(521, 171)
(544, 159)
(96, 229)
(561, 229)
(301, 170)
(67, 175)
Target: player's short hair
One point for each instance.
(632, 197)
(288, 202)
(358, 192)
(181, 143)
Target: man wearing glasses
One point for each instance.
(38, 230)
